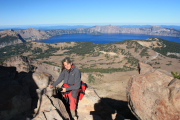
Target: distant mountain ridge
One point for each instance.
(154, 30)
(36, 34)
(32, 34)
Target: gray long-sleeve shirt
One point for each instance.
(72, 77)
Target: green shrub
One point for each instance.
(175, 75)
(91, 78)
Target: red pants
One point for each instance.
(72, 97)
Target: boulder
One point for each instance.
(51, 107)
(21, 63)
(151, 97)
(93, 107)
(52, 115)
(42, 80)
(44, 104)
(60, 107)
(40, 116)
(24, 64)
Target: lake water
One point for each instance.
(104, 38)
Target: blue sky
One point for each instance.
(89, 12)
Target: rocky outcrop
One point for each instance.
(24, 82)
(25, 94)
(41, 71)
(48, 107)
(10, 37)
(21, 63)
(154, 95)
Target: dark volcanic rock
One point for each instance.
(151, 97)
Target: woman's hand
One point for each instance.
(63, 90)
(51, 86)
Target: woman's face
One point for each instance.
(67, 65)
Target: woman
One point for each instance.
(72, 80)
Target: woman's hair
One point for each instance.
(67, 60)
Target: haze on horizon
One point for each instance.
(89, 12)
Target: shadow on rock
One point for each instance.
(18, 94)
(111, 109)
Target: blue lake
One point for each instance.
(104, 38)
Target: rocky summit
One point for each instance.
(25, 94)
(154, 94)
